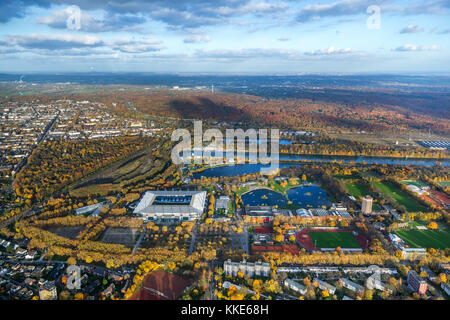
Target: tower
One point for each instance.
(366, 207)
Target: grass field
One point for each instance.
(444, 183)
(437, 239)
(324, 239)
(401, 197)
(358, 190)
(416, 183)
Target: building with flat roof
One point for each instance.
(222, 203)
(295, 286)
(251, 269)
(446, 288)
(366, 206)
(350, 285)
(171, 206)
(93, 208)
(325, 286)
(258, 214)
(416, 283)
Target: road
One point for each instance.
(193, 238)
(243, 235)
(138, 243)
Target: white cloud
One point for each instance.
(413, 47)
(331, 51)
(411, 29)
(54, 42)
(248, 53)
(137, 46)
(88, 23)
(197, 39)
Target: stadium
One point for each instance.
(171, 206)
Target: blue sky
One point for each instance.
(237, 36)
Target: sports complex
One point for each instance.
(330, 239)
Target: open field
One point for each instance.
(276, 186)
(112, 178)
(125, 236)
(324, 239)
(401, 197)
(99, 189)
(66, 232)
(437, 239)
(358, 190)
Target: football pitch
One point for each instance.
(437, 239)
(400, 196)
(325, 239)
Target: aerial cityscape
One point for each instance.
(146, 155)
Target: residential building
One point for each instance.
(294, 285)
(325, 286)
(366, 206)
(446, 288)
(48, 291)
(251, 269)
(416, 283)
(109, 290)
(347, 283)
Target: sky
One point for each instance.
(225, 36)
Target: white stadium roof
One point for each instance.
(195, 206)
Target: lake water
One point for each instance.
(240, 169)
(264, 197)
(304, 196)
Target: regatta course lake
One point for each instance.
(247, 168)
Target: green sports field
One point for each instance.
(400, 196)
(359, 190)
(444, 183)
(437, 239)
(324, 239)
(416, 183)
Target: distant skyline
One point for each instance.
(225, 36)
